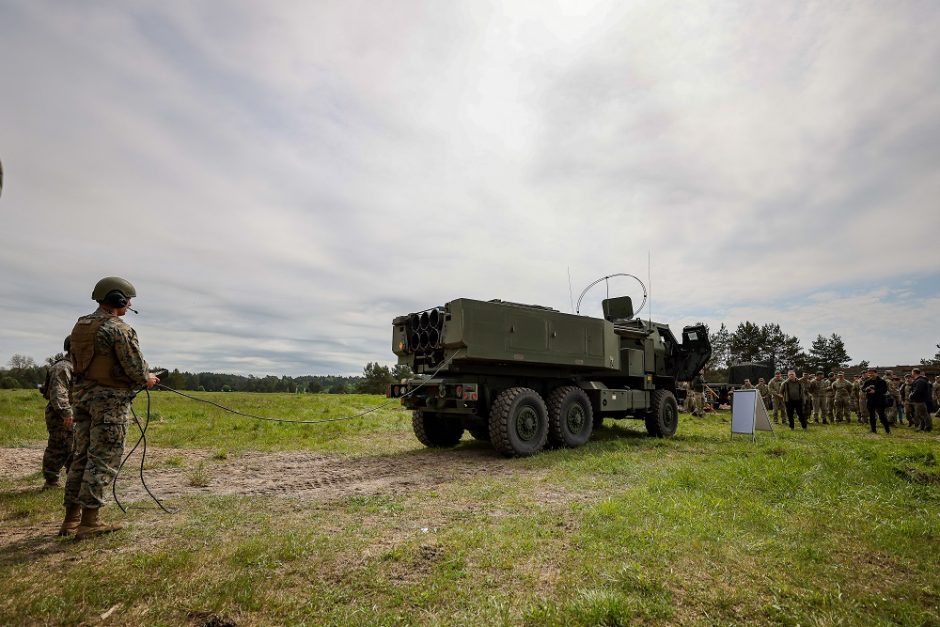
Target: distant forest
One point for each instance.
(24, 372)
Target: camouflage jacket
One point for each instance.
(763, 389)
(116, 336)
(842, 389)
(774, 386)
(57, 388)
(820, 387)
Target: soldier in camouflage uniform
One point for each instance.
(818, 391)
(862, 399)
(828, 400)
(109, 370)
(776, 396)
(841, 393)
(764, 392)
(892, 410)
(936, 394)
(58, 453)
(809, 385)
(697, 390)
(905, 390)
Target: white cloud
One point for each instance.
(281, 181)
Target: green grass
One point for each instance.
(183, 423)
(832, 526)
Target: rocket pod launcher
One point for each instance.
(522, 376)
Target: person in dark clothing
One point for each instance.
(794, 398)
(876, 389)
(919, 397)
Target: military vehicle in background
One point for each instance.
(523, 376)
(722, 393)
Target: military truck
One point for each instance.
(524, 376)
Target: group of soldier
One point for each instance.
(833, 398)
(89, 393)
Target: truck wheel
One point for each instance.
(663, 418)
(435, 430)
(518, 422)
(570, 419)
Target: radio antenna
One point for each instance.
(649, 281)
(570, 293)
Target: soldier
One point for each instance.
(809, 389)
(936, 395)
(920, 394)
(891, 409)
(748, 385)
(827, 400)
(876, 389)
(898, 399)
(862, 399)
(58, 453)
(776, 396)
(794, 396)
(841, 392)
(764, 391)
(109, 370)
(818, 391)
(697, 389)
(905, 391)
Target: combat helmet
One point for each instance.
(113, 284)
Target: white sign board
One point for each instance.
(748, 413)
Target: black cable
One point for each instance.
(309, 422)
(143, 429)
(143, 460)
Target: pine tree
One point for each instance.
(721, 344)
(747, 343)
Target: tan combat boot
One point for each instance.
(90, 526)
(73, 515)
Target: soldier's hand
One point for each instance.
(152, 380)
(68, 421)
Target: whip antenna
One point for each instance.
(570, 293)
(649, 281)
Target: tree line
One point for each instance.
(768, 343)
(25, 373)
(748, 343)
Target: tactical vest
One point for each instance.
(89, 362)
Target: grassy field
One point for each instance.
(832, 526)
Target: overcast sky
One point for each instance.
(279, 180)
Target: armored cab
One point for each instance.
(522, 376)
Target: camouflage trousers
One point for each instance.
(780, 410)
(922, 418)
(840, 405)
(100, 428)
(58, 453)
(818, 409)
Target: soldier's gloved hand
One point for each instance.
(68, 421)
(152, 380)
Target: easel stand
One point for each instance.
(748, 414)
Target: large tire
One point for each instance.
(436, 430)
(518, 422)
(663, 418)
(570, 419)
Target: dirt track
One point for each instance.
(172, 473)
